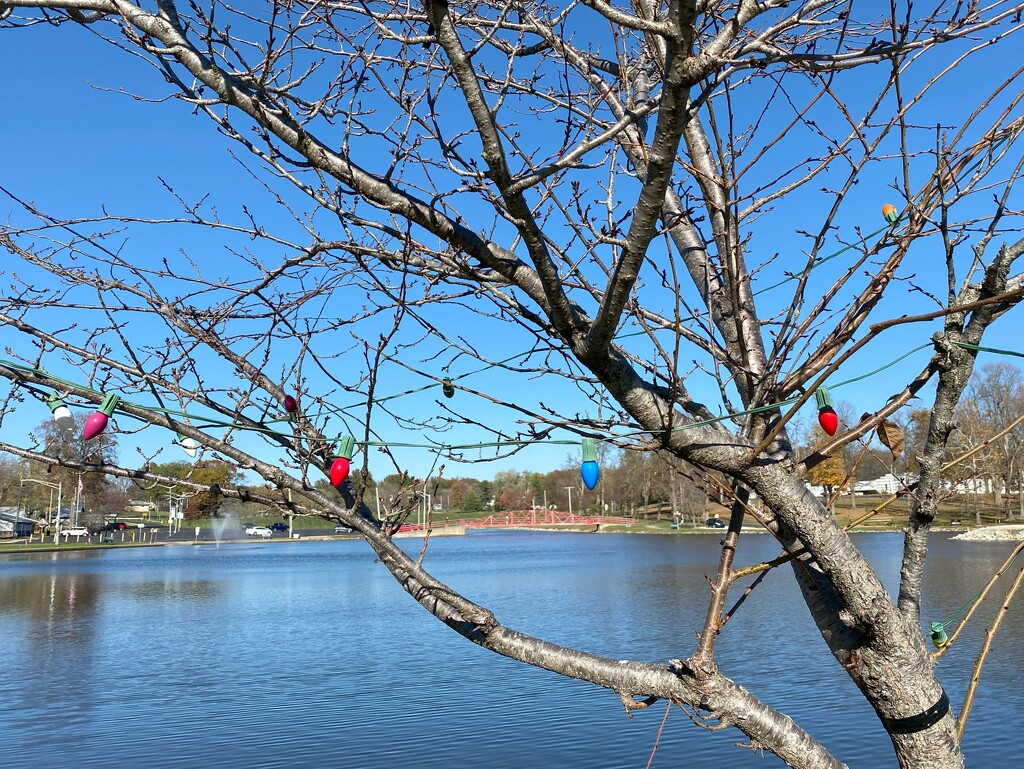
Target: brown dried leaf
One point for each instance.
(891, 436)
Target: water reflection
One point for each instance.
(310, 655)
(169, 590)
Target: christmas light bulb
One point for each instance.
(61, 413)
(339, 470)
(827, 417)
(829, 420)
(589, 470)
(890, 213)
(343, 461)
(447, 388)
(939, 638)
(189, 445)
(97, 422)
(290, 404)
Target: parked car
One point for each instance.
(110, 526)
(279, 526)
(955, 522)
(259, 531)
(339, 529)
(247, 526)
(75, 531)
(715, 523)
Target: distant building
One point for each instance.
(984, 485)
(887, 484)
(13, 525)
(140, 506)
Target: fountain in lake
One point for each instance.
(220, 524)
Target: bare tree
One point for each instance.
(991, 406)
(11, 473)
(663, 202)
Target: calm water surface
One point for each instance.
(308, 655)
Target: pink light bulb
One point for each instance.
(94, 425)
(97, 423)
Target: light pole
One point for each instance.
(79, 506)
(569, 489)
(176, 505)
(425, 508)
(173, 502)
(170, 507)
(175, 510)
(59, 485)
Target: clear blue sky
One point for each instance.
(76, 142)
(73, 143)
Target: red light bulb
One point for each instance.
(339, 470)
(829, 420)
(290, 404)
(827, 417)
(342, 460)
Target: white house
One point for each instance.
(887, 484)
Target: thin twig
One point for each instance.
(979, 600)
(657, 739)
(965, 711)
(723, 579)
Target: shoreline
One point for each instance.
(998, 533)
(1007, 532)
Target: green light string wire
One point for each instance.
(204, 422)
(413, 391)
(829, 258)
(692, 317)
(989, 349)
(964, 609)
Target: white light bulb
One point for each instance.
(62, 416)
(61, 413)
(189, 445)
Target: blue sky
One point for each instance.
(75, 142)
(82, 143)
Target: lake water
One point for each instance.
(306, 654)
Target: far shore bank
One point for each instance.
(984, 533)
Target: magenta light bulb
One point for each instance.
(97, 422)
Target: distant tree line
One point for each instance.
(632, 483)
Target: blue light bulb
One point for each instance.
(589, 469)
